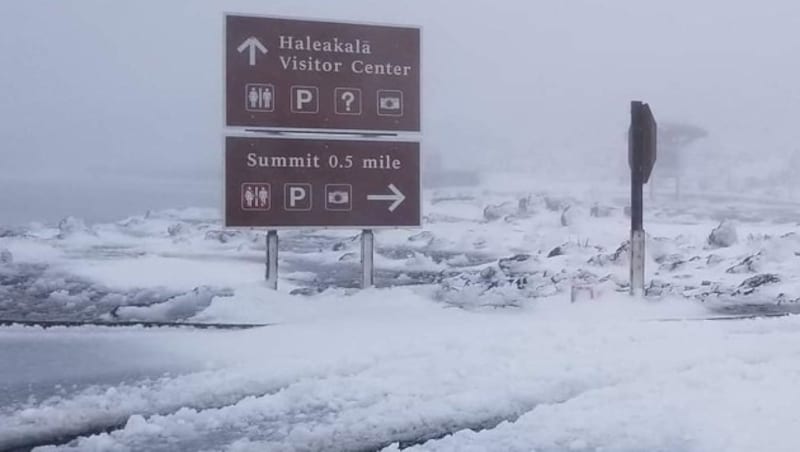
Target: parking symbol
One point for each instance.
(347, 101)
(297, 197)
(390, 102)
(339, 197)
(256, 196)
(259, 97)
(305, 99)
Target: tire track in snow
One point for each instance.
(97, 410)
(368, 410)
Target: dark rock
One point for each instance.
(557, 251)
(749, 285)
(750, 264)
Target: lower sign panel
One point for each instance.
(276, 182)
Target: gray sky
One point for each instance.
(132, 91)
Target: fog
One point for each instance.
(111, 108)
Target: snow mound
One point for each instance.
(724, 235)
(70, 227)
(179, 307)
(6, 257)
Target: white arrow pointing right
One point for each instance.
(397, 197)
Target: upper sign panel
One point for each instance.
(298, 74)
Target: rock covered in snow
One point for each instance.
(599, 211)
(424, 237)
(507, 285)
(750, 264)
(498, 211)
(6, 257)
(524, 206)
(557, 251)
(176, 229)
(179, 307)
(71, 226)
(10, 232)
(520, 263)
(749, 285)
(724, 235)
(620, 256)
(554, 204)
(671, 262)
(222, 236)
(350, 257)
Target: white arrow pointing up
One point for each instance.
(397, 196)
(252, 43)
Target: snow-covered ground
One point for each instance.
(469, 342)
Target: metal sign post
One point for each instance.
(642, 158)
(330, 79)
(367, 259)
(272, 260)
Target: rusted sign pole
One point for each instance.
(641, 157)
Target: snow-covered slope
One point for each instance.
(469, 342)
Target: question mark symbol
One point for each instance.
(348, 97)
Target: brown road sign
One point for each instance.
(300, 74)
(279, 182)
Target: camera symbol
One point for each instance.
(339, 197)
(390, 102)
